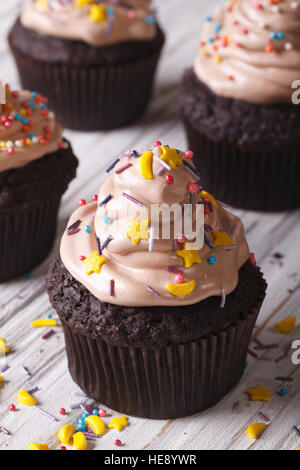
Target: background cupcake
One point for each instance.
(36, 166)
(236, 104)
(154, 327)
(95, 61)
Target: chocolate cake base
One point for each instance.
(156, 362)
(29, 203)
(248, 155)
(89, 88)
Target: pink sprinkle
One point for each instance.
(112, 287)
(123, 168)
(152, 291)
(223, 298)
(47, 335)
(73, 232)
(132, 199)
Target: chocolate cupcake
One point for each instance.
(156, 324)
(36, 166)
(94, 60)
(236, 105)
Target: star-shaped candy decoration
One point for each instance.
(170, 156)
(118, 423)
(221, 238)
(138, 231)
(259, 393)
(190, 256)
(93, 263)
(287, 325)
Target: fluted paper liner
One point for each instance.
(261, 181)
(166, 382)
(91, 98)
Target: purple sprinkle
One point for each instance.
(80, 394)
(266, 346)
(45, 413)
(160, 171)
(235, 407)
(123, 168)
(26, 370)
(152, 291)
(108, 198)
(109, 239)
(33, 390)
(296, 430)
(284, 379)
(280, 358)
(77, 405)
(209, 244)
(163, 163)
(73, 226)
(73, 232)
(175, 245)
(135, 153)
(258, 342)
(99, 246)
(234, 229)
(188, 165)
(48, 334)
(208, 228)
(230, 247)
(173, 270)
(223, 295)
(132, 199)
(4, 368)
(90, 434)
(264, 417)
(253, 354)
(3, 429)
(112, 287)
(111, 167)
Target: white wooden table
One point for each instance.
(273, 237)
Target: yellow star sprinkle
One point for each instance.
(118, 423)
(259, 393)
(4, 349)
(190, 256)
(256, 429)
(210, 197)
(98, 13)
(170, 156)
(138, 231)
(93, 263)
(287, 325)
(221, 238)
(81, 3)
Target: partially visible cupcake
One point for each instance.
(236, 104)
(155, 326)
(36, 166)
(94, 60)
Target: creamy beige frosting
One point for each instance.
(28, 130)
(250, 50)
(95, 23)
(132, 267)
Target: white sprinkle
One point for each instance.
(151, 242)
(9, 144)
(288, 46)
(294, 5)
(163, 163)
(275, 9)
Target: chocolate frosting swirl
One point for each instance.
(96, 23)
(141, 273)
(250, 51)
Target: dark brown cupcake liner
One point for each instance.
(163, 383)
(26, 236)
(262, 181)
(90, 98)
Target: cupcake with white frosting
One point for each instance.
(156, 324)
(94, 60)
(36, 166)
(238, 108)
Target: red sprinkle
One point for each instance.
(118, 442)
(189, 154)
(102, 412)
(179, 278)
(252, 258)
(62, 448)
(62, 411)
(169, 179)
(12, 408)
(82, 258)
(206, 210)
(157, 143)
(82, 202)
(193, 188)
(181, 239)
(95, 198)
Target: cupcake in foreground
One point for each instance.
(94, 60)
(36, 166)
(236, 104)
(155, 326)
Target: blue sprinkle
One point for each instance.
(106, 220)
(32, 135)
(149, 19)
(211, 260)
(84, 415)
(81, 427)
(30, 275)
(49, 315)
(246, 366)
(34, 94)
(31, 104)
(273, 35)
(208, 18)
(95, 412)
(280, 35)
(110, 10)
(88, 229)
(210, 39)
(44, 106)
(18, 116)
(25, 120)
(283, 392)
(217, 28)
